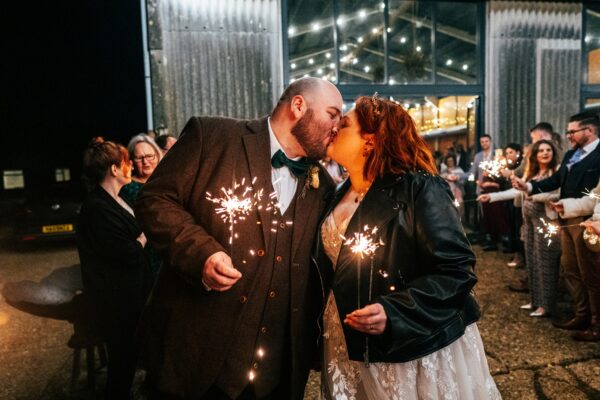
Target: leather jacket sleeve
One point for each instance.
(435, 296)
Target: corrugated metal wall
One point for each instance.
(533, 71)
(213, 57)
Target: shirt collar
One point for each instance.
(275, 145)
(588, 148)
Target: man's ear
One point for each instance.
(298, 106)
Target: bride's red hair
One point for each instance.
(398, 148)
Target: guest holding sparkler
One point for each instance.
(542, 258)
(400, 317)
(578, 174)
(234, 312)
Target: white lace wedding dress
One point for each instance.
(458, 371)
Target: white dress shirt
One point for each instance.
(588, 148)
(284, 182)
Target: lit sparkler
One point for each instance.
(591, 194)
(493, 167)
(236, 203)
(548, 229)
(364, 244)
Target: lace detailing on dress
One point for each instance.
(459, 371)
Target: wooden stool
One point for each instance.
(84, 339)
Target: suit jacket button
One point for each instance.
(282, 225)
(255, 365)
(243, 299)
(263, 329)
(260, 252)
(278, 258)
(272, 294)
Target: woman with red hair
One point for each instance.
(114, 266)
(399, 318)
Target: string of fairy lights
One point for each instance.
(322, 63)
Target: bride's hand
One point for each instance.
(370, 319)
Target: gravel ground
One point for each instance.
(527, 356)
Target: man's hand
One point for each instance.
(592, 226)
(218, 273)
(370, 319)
(484, 198)
(558, 206)
(452, 178)
(519, 184)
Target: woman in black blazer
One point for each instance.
(113, 262)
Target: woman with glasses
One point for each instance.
(145, 155)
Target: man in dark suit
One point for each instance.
(578, 174)
(462, 159)
(239, 320)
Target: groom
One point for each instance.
(238, 321)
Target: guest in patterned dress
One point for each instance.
(398, 323)
(542, 257)
(145, 154)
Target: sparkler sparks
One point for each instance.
(548, 229)
(493, 167)
(362, 243)
(591, 194)
(236, 203)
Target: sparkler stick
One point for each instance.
(363, 244)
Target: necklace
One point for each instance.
(360, 195)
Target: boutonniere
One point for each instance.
(312, 179)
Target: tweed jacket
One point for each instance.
(186, 332)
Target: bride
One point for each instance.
(399, 323)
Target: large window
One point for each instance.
(384, 42)
(427, 55)
(592, 44)
(590, 89)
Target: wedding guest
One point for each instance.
(113, 262)
(165, 142)
(578, 174)
(145, 155)
(542, 258)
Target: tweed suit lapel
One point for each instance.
(258, 155)
(306, 210)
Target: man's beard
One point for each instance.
(309, 133)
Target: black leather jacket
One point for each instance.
(422, 276)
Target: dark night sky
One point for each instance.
(72, 70)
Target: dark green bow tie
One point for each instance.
(298, 168)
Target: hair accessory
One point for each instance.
(376, 104)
